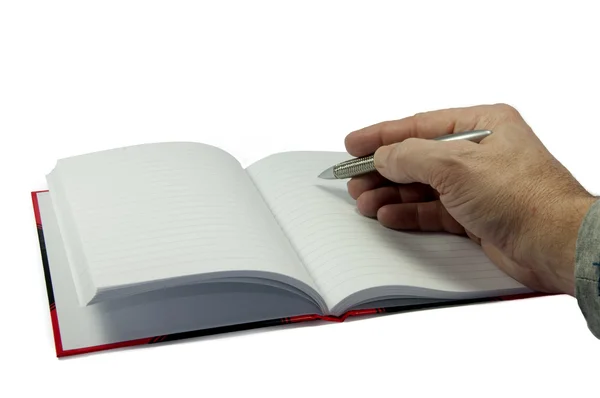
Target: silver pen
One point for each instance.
(358, 166)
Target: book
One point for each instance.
(164, 241)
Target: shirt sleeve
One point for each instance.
(587, 268)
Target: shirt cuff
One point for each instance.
(587, 268)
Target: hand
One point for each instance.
(507, 193)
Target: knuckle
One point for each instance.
(452, 166)
(497, 114)
(441, 180)
(459, 153)
(452, 161)
(506, 110)
(398, 152)
(408, 145)
(418, 123)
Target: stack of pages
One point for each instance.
(164, 241)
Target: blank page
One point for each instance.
(156, 313)
(346, 252)
(158, 212)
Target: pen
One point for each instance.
(358, 166)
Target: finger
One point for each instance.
(370, 201)
(366, 182)
(473, 237)
(427, 216)
(422, 161)
(422, 125)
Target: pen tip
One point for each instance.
(327, 174)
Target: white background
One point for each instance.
(255, 78)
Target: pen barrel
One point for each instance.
(473, 136)
(354, 167)
(358, 166)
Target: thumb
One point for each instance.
(416, 160)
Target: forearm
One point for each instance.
(587, 268)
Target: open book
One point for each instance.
(178, 239)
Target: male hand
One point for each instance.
(508, 193)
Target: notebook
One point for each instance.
(164, 241)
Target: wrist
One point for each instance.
(557, 241)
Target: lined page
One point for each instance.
(156, 212)
(346, 252)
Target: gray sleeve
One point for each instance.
(587, 268)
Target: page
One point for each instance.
(158, 215)
(347, 253)
(162, 312)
